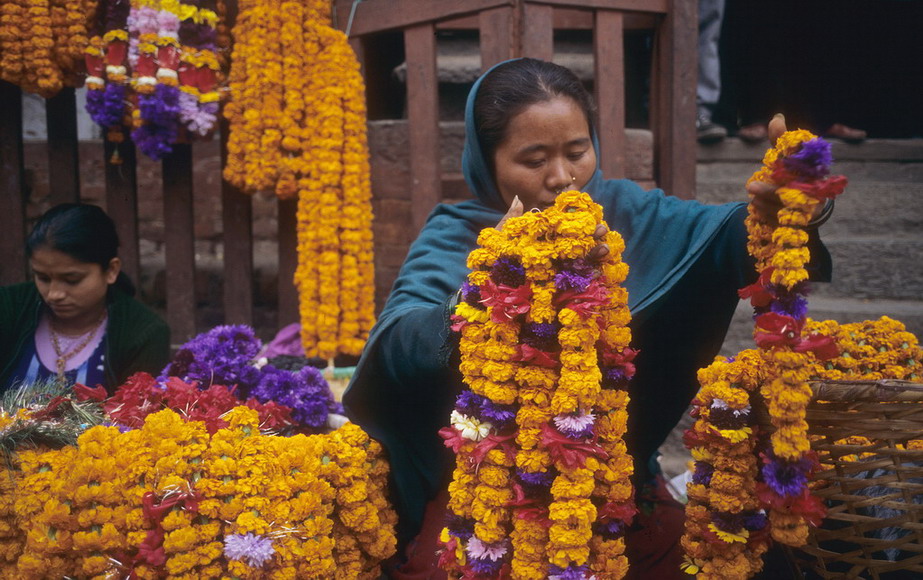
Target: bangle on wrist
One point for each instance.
(822, 217)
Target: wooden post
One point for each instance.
(497, 41)
(288, 262)
(237, 234)
(674, 108)
(423, 114)
(179, 227)
(12, 188)
(64, 169)
(122, 202)
(538, 31)
(609, 72)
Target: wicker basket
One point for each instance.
(873, 487)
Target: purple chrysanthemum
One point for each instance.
(540, 335)
(755, 521)
(786, 478)
(471, 294)
(611, 530)
(728, 522)
(702, 473)
(468, 403)
(253, 549)
(578, 266)
(107, 107)
(462, 528)
(614, 377)
(572, 572)
(305, 391)
(812, 160)
(159, 112)
(565, 281)
(508, 271)
(792, 304)
(222, 356)
(499, 415)
(536, 479)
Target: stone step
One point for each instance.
(876, 268)
(843, 310)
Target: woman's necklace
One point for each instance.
(63, 354)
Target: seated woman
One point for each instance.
(77, 321)
(530, 135)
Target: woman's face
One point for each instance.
(547, 150)
(72, 289)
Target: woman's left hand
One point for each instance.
(765, 200)
(601, 250)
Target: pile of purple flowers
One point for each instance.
(226, 356)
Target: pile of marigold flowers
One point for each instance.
(180, 477)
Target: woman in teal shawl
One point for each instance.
(686, 261)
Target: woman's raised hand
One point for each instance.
(516, 209)
(765, 201)
(597, 253)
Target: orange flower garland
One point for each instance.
(42, 43)
(541, 482)
(298, 128)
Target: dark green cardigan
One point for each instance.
(136, 338)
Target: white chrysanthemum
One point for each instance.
(469, 427)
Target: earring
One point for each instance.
(573, 178)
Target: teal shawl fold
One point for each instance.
(685, 259)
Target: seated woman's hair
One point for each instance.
(82, 231)
(515, 85)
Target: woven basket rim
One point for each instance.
(867, 390)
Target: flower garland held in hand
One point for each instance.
(799, 165)
(297, 126)
(732, 493)
(42, 42)
(541, 483)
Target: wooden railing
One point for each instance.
(506, 28)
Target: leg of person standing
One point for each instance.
(708, 89)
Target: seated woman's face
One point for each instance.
(71, 288)
(547, 149)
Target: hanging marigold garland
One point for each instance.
(733, 493)
(298, 128)
(541, 483)
(42, 43)
(153, 65)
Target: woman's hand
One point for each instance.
(765, 201)
(516, 209)
(597, 253)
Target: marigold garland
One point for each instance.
(733, 490)
(42, 43)
(297, 124)
(541, 483)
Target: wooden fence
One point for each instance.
(506, 28)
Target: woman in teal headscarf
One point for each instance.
(530, 135)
